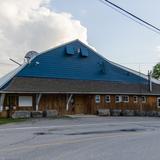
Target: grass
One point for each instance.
(10, 120)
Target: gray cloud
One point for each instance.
(30, 25)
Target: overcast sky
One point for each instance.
(41, 24)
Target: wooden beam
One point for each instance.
(2, 97)
(38, 98)
(68, 101)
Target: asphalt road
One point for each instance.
(89, 138)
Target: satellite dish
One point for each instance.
(30, 55)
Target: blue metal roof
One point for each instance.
(61, 62)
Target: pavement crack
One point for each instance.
(23, 141)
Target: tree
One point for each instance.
(156, 71)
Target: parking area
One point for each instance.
(82, 137)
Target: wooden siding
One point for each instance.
(82, 104)
(150, 104)
(86, 104)
(54, 101)
(11, 100)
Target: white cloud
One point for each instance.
(158, 48)
(158, 51)
(30, 25)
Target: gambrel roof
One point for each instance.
(66, 63)
(74, 61)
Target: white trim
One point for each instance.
(109, 97)
(136, 99)
(97, 99)
(124, 99)
(119, 100)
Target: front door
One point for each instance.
(82, 104)
(11, 103)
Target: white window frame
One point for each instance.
(25, 101)
(97, 99)
(145, 99)
(158, 103)
(107, 98)
(119, 99)
(125, 99)
(135, 97)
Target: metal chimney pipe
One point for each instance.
(150, 81)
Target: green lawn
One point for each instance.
(10, 120)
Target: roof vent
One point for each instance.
(30, 55)
(102, 67)
(84, 52)
(78, 50)
(69, 50)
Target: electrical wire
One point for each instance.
(131, 16)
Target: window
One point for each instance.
(135, 99)
(107, 99)
(97, 98)
(118, 99)
(125, 99)
(158, 102)
(25, 101)
(144, 99)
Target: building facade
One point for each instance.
(74, 79)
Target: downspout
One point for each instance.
(68, 101)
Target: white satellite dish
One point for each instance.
(30, 55)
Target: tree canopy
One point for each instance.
(156, 71)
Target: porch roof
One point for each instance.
(46, 85)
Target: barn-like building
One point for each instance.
(74, 79)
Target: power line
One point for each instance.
(131, 16)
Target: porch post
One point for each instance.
(38, 98)
(68, 101)
(2, 97)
